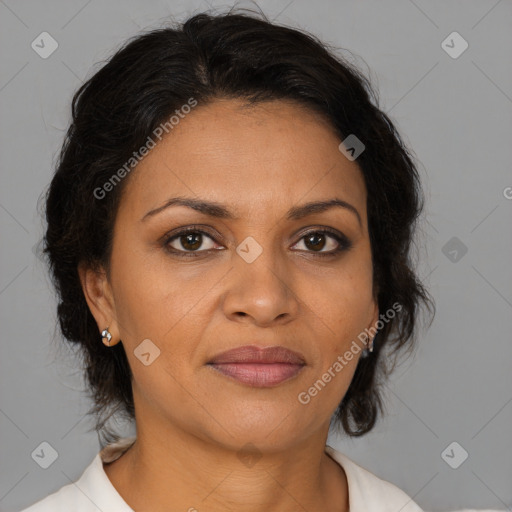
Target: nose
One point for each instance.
(260, 292)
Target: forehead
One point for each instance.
(259, 158)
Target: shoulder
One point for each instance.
(93, 491)
(66, 498)
(369, 492)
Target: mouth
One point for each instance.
(257, 367)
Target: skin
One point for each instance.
(191, 420)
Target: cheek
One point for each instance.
(340, 314)
(151, 295)
(342, 305)
(158, 300)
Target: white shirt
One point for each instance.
(94, 492)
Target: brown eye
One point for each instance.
(315, 241)
(190, 241)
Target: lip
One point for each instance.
(259, 367)
(256, 355)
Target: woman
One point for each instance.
(228, 230)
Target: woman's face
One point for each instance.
(258, 277)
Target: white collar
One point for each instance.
(367, 492)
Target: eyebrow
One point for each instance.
(214, 209)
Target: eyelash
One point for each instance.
(344, 243)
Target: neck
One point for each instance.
(191, 473)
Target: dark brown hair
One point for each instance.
(233, 55)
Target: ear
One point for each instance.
(100, 299)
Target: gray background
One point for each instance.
(456, 116)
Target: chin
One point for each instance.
(273, 432)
